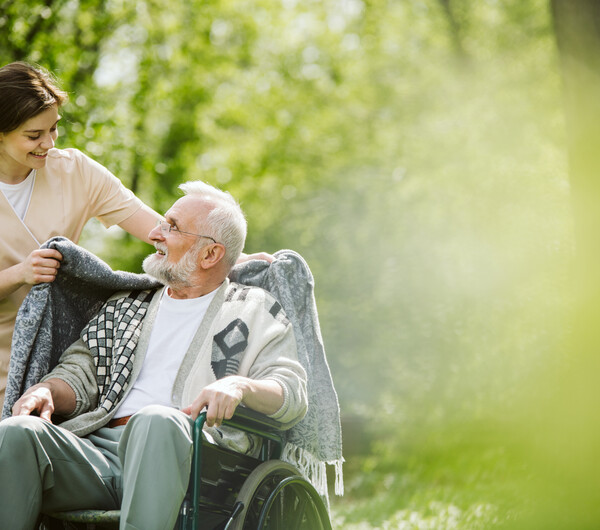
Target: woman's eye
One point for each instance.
(33, 137)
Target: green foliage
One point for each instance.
(411, 150)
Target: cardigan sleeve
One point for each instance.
(76, 368)
(277, 360)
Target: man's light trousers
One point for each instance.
(142, 468)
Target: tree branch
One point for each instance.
(455, 30)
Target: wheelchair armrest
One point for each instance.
(250, 421)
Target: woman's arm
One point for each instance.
(141, 223)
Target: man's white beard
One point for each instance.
(172, 274)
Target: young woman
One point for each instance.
(46, 192)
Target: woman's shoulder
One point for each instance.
(64, 163)
(66, 160)
(65, 156)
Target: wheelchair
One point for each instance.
(228, 490)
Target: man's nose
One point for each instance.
(156, 234)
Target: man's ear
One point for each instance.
(211, 255)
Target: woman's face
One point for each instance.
(27, 147)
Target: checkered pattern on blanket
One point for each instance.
(111, 336)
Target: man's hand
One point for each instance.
(53, 395)
(220, 398)
(223, 396)
(37, 399)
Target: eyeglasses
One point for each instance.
(167, 227)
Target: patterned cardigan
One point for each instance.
(244, 332)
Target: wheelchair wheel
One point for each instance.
(276, 497)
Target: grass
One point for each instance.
(443, 482)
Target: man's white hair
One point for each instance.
(225, 223)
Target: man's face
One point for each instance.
(176, 257)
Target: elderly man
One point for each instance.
(143, 369)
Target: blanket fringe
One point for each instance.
(339, 475)
(313, 469)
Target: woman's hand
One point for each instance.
(41, 266)
(258, 255)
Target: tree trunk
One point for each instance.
(573, 411)
(577, 25)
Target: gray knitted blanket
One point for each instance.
(317, 439)
(53, 315)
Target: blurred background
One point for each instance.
(422, 155)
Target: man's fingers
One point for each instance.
(46, 414)
(23, 409)
(220, 399)
(36, 399)
(230, 411)
(216, 412)
(18, 410)
(195, 408)
(212, 415)
(220, 410)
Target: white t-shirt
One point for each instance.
(19, 195)
(174, 328)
